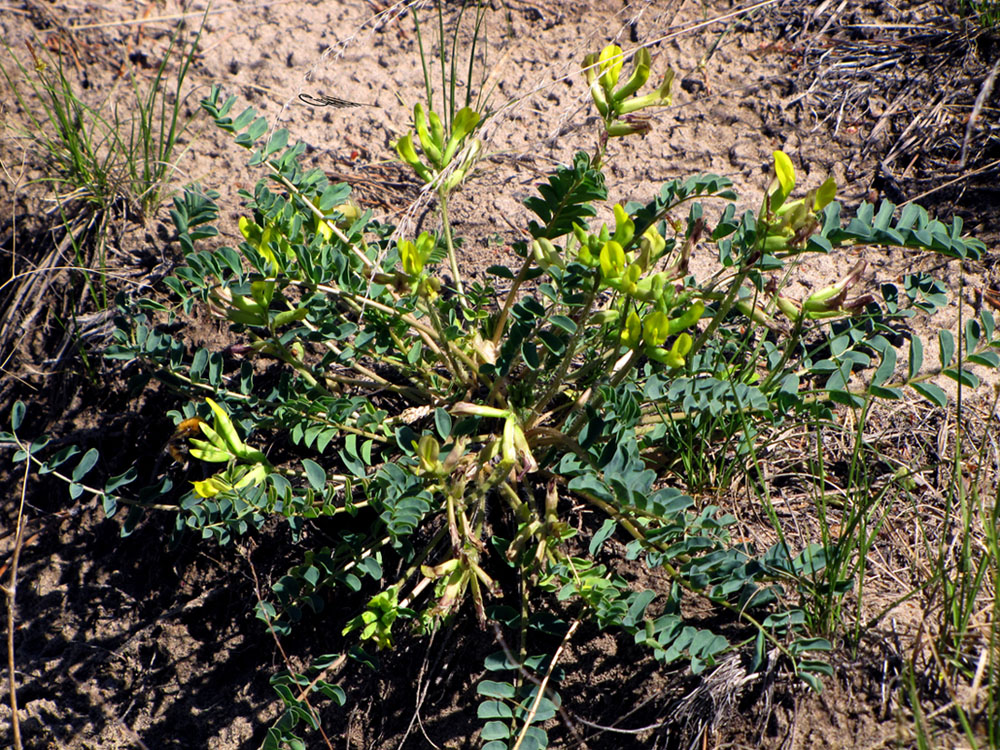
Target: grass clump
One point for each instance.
(106, 163)
(986, 12)
(113, 154)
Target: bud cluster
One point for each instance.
(618, 106)
(627, 272)
(440, 149)
(788, 226)
(791, 223)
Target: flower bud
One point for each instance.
(652, 246)
(659, 98)
(673, 357)
(612, 260)
(437, 128)
(590, 63)
(633, 330)
(640, 74)
(463, 124)
(468, 409)
(350, 212)
(624, 226)
(776, 243)
(690, 316)
(461, 171)
(825, 194)
(429, 288)
(290, 316)
(631, 125)
(546, 254)
(210, 487)
(629, 283)
(605, 316)
(655, 328)
(427, 142)
(428, 452)
(610, 61)
(404, 147)
(787, 307)
(832, 297)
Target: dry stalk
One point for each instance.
(984, 94)
(10, 591)
(541, 686)
(882, 78)
(708, 705)
(304, 694)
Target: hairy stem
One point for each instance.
(509, 301)
(11, 590)
(449, 243)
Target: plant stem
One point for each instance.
(724, 307)
(449, 243)
(456, 367)
(498, 329)
(11, 591)
(557, 379)
(791, 342)
(622, 368)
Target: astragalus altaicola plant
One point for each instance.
(480, 448)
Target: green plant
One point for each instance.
(453, 437)
(447, 149)
(473, 89)
(991, 700)
(986, 12)
(103, 167)
(10, 592)
(960, 590)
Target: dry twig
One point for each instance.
(10, 590)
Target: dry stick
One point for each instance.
(977, 680)
(924, 116)
(831, 19)
(420, 695)
(15, 183)
(423, 686)
(33, 289)
(241, 7)
(47, 269)
(528, 676)
(967, 175)
(984, 94)
(884, 120)
(303, 696)
(903, 142)
(569, 718)
(10, 591)
(541, 686)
